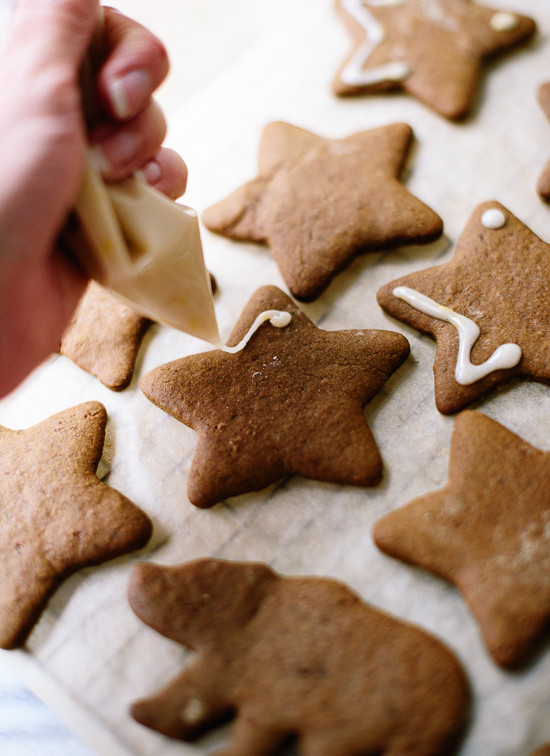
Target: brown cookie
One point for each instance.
(497, 280)
(543, 185)
(542, 751)
(432, 49)
(104, 336)
(318, 203)
(290, 402)
(56, 516)
(487, 532)
(295, 656)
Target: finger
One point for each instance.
(125, 149)
(167, 173)
(40, 26)
(136, 64)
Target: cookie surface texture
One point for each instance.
(543, 185)
(104, 336)
(295, 656)
(498, 280)
(486, 531)
(318, 203)
(290, 402)
(56, 516)
(432, 49)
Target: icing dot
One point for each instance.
(280, 319)
(194, 711)
(493, 218)
(502, 21)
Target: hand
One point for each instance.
(42, 147)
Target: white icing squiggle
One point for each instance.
(277, 318)
(506, 356)
(354, 74)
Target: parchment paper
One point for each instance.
(235, 67)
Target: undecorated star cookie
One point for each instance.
(295, 656)
(318, 203)
(432, 49)
(290, 402)
(104, 336)
(488, 308)
(487, 531)
(56, 516)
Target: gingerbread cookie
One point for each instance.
(432, 49)
(543, 185)
(291, 402)
(318, 203)
(56, 516)
(487, 532)
(488, 308)
(104, 336)
(295, 656)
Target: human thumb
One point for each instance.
(52, 32)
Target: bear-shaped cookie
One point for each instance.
(295, 656)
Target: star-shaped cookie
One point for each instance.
(487, 531)
(320, 202)
(301, 656)
(498, 281)
(543, 185)
(432, 49)
(56, 516)
(104, 336)
(290, 402)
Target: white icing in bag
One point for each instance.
(147, 249)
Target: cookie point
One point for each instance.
(139, 711)
(141, 574)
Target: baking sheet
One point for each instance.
(235, 67)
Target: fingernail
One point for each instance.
(129, 93)
(152, 172)
(115, 152)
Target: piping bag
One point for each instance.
(135, 241)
